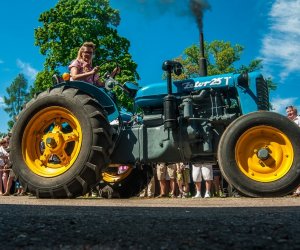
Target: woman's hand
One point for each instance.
(116, 71)
(95, 70)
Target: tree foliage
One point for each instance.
(2, 134)
(17, 95)
(72, 22)
(221, 59)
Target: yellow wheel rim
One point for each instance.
(51, 141)
(264, 154)
(116, 173)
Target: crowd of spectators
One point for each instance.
(8, 182)
(186, 180)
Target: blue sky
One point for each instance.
(268, 29)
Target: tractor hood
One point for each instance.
(152, 94)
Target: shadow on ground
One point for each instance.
(60, 227)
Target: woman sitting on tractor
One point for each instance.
(81, 68)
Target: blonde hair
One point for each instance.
(85, 45)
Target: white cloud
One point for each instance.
(280, 46)
(2, 104)
(27, 70)
(1, 61)
(279, 104)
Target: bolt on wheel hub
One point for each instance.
(50, 142)
(263, 154)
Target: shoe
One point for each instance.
(172, 196)
(235, 194)
(224, 195)
(94, 195)
(5, 194)
(207, 195)
(162, 196)
(197, 196)
(186, 195)
(295, 194)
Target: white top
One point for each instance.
(297, 120)
(3, 154)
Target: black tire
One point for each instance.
(70, 122)
(259, 154)
(128, 185)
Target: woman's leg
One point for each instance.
(1, 185)
(4, 179)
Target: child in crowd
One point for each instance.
(183, 179)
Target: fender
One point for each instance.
(100, 94)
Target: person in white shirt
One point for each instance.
(292, 114)
(3, 161)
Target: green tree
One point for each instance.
(17, 95)
(2, 135)
(221, 59)
(72, 22)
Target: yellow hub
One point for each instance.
(51, 141)
(264, 153)
(116, 172)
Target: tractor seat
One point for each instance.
(56, 79)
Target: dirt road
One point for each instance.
(231, 223)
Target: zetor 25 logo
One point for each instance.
(212, 82)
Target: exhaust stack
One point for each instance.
(202, 59)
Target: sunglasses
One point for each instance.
(88, 52)
(289, 107)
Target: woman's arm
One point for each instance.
(76, 76)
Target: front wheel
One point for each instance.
(60, 143)
(259, 154)
(126, 180)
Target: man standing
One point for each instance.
(292, 114)
(166, 172)
(202, 172)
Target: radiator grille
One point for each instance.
(262, 92)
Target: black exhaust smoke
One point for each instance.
(197, 8)
(193, 8)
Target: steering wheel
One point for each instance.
(109, 76)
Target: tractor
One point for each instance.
(73, 136)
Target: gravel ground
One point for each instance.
(231, 223)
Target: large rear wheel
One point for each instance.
(259, 154)
(60, 143)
